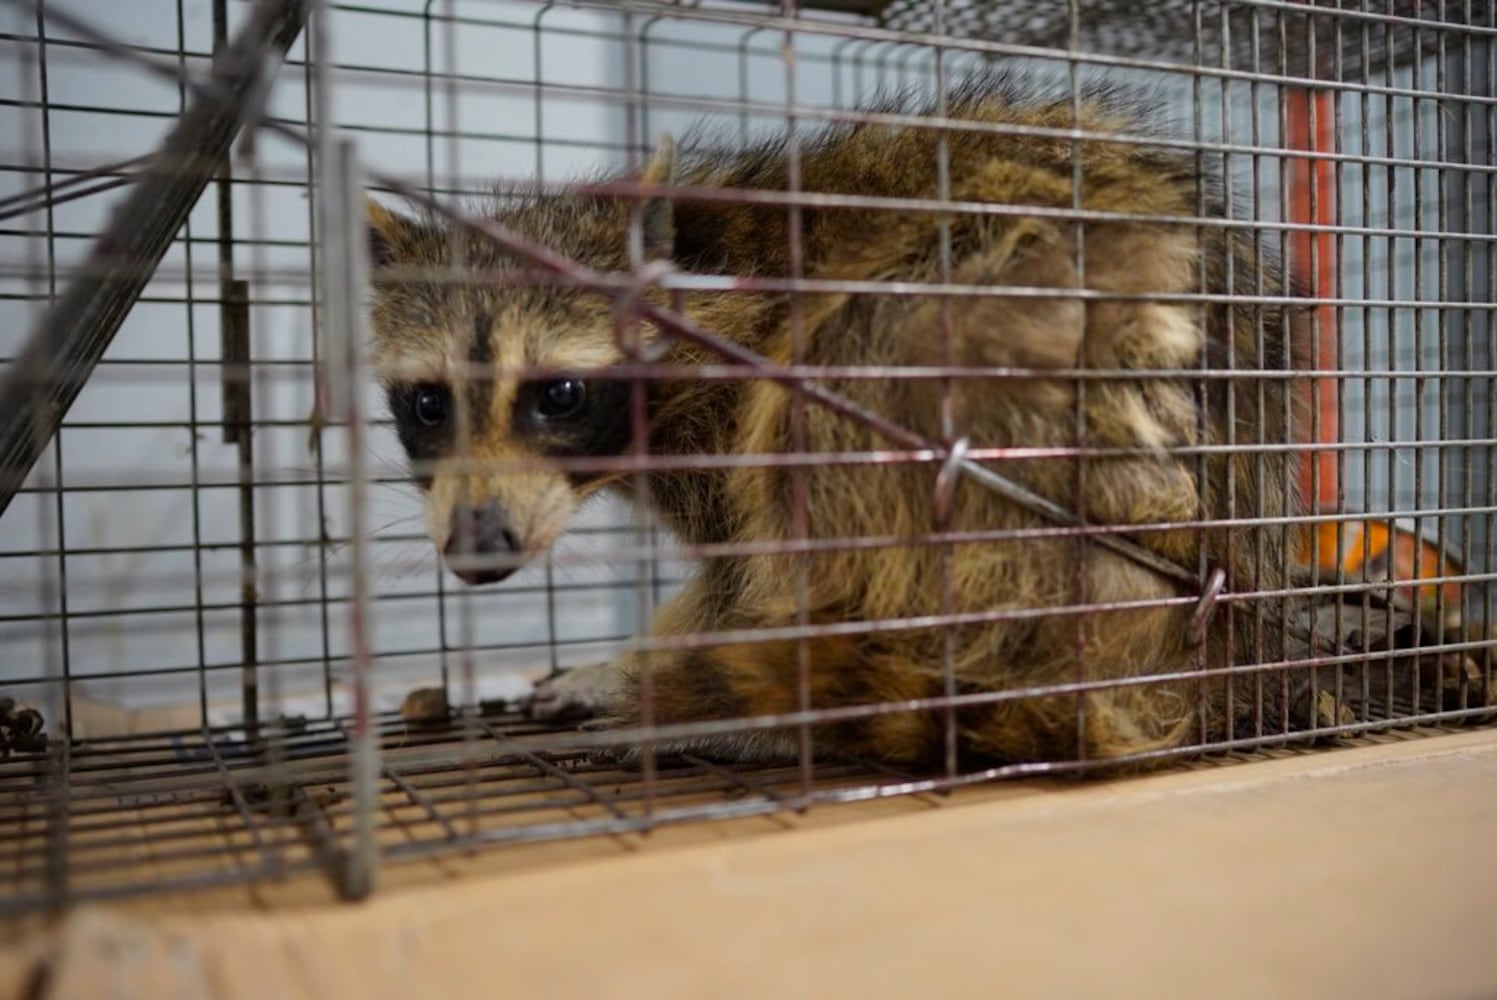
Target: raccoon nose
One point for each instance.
(478, 535)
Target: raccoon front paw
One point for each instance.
(760, 747)
(576, 694)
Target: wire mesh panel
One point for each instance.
(432, 424)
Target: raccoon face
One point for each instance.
(459, 356)
(455, 348)
(491, 500)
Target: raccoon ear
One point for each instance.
(659, 213)
(387, 230)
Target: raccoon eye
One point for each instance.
(430, 405)
(562, 399)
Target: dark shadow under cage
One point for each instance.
(229, 650)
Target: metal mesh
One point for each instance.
(229, 648)
(1344, 40)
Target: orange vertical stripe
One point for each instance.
(1312, 200)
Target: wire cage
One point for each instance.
(229, 649)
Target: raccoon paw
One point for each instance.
(761, 748)
(576, 694)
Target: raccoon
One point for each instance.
(1139, 241)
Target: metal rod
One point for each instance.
(62, 352)
(346, 287)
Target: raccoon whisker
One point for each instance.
(337, 548)
(394, 565)
(374, 533)
(381, 467)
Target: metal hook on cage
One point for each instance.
(1205, 608)
(944, 497)
(626, 310)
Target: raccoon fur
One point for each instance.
(426, 330)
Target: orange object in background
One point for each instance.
(1370, 549)
(1311, 122)
(1375, 551)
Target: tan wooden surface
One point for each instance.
(1366, 872)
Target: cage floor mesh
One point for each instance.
(185, 811)
(179, 811)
